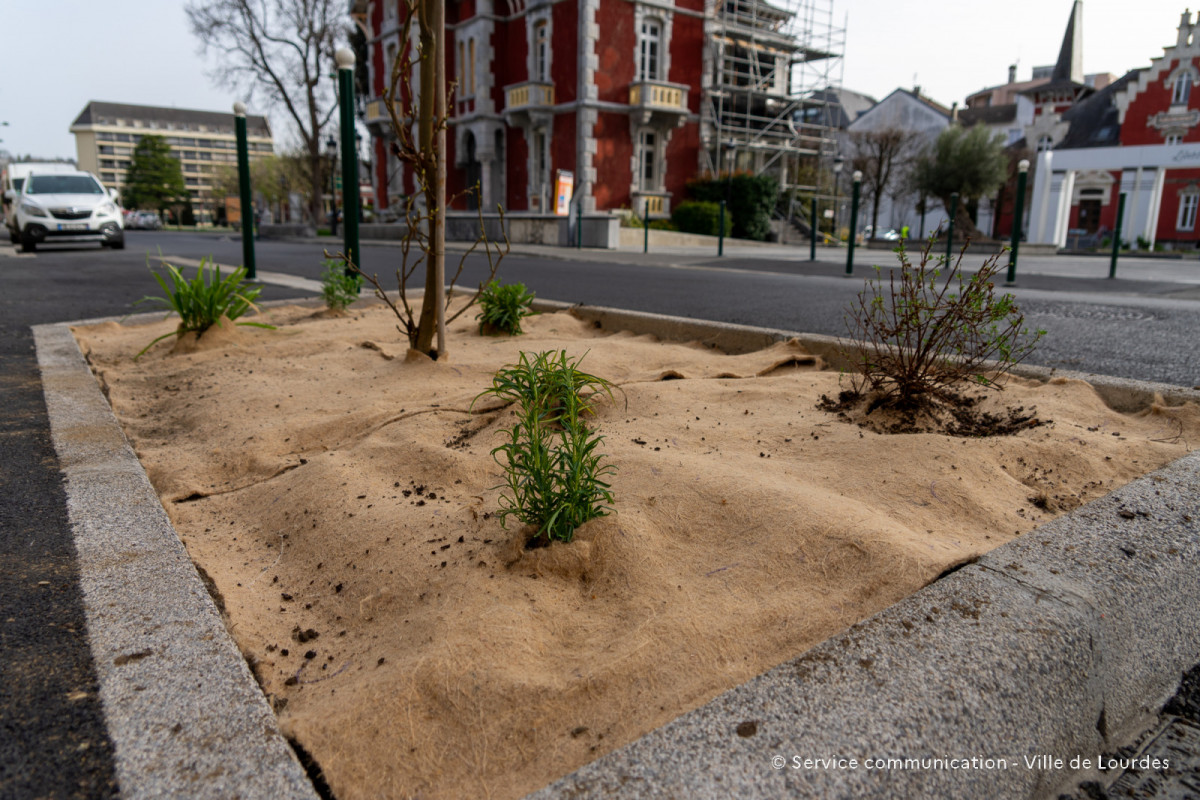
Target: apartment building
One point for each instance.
(106, 134)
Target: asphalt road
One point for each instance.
(1130, 328)
(52, 737)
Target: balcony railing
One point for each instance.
(664, 96)
(529, 95)
(376, 111)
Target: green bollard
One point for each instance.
(853, 221)
(646, 227)
(247, 199)
(721, 231)
(812, 230)
(1018, 216)
(1112, 265)
(950, 230)
(350, 199)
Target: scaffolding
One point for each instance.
(773, 73)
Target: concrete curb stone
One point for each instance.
(184, 713)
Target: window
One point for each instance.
(541, 52)
(648, 50)
(539, 156)
(1183, 89)
(462, 67)
(1045, 143)
(1174, 138)
(649, 166)
(471, 65)
(1188, 203)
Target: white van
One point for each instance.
(13, 178)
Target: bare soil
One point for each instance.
(340, 496)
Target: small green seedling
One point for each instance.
(501, 308)
(203, 301)
(553, 467)
(340, 287)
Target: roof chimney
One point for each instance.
(1012, 73)
(954, 111)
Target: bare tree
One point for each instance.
(424, 240)
(283, 50)
(882, 155)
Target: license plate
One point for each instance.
(73, 226)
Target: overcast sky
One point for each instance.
(59, 54)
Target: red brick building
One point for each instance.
(1139, 137)
(541, 89)
(633, 98)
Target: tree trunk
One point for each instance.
(316, 204)
(427, 140)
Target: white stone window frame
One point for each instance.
(662, 138)
(665, 18)
(535, 20)
(649, 54)
(1189, 204)
(1173, 83)
(1173, 136)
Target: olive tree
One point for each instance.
(968, 161)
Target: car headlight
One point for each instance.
(32, 210)
(107, 209)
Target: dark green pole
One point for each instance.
(646, 226)
(1018, 219)
(950, 230)
(579, 226)
(812, 230)
(350, 200)
(721, 231)
(853, 221)
(1112, 265)
(247, 200)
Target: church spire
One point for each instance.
(1070, 58)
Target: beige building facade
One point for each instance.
(107, 133)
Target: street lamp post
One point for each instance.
(331, 143)
(838, 163)
(247, 200)
(345, 67)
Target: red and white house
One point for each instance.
(607, 90)
(1139, 138)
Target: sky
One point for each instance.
(60, 54)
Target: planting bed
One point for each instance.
(340, 499)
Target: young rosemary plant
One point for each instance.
(554, 470)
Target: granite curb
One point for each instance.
(185, 715)
(1051, 646)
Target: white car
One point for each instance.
(66, 207)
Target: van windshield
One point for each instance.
(63, 184)
(18, 183)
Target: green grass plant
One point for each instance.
(502, 307)
(205, 300)
(337, 287)
(554, 470)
